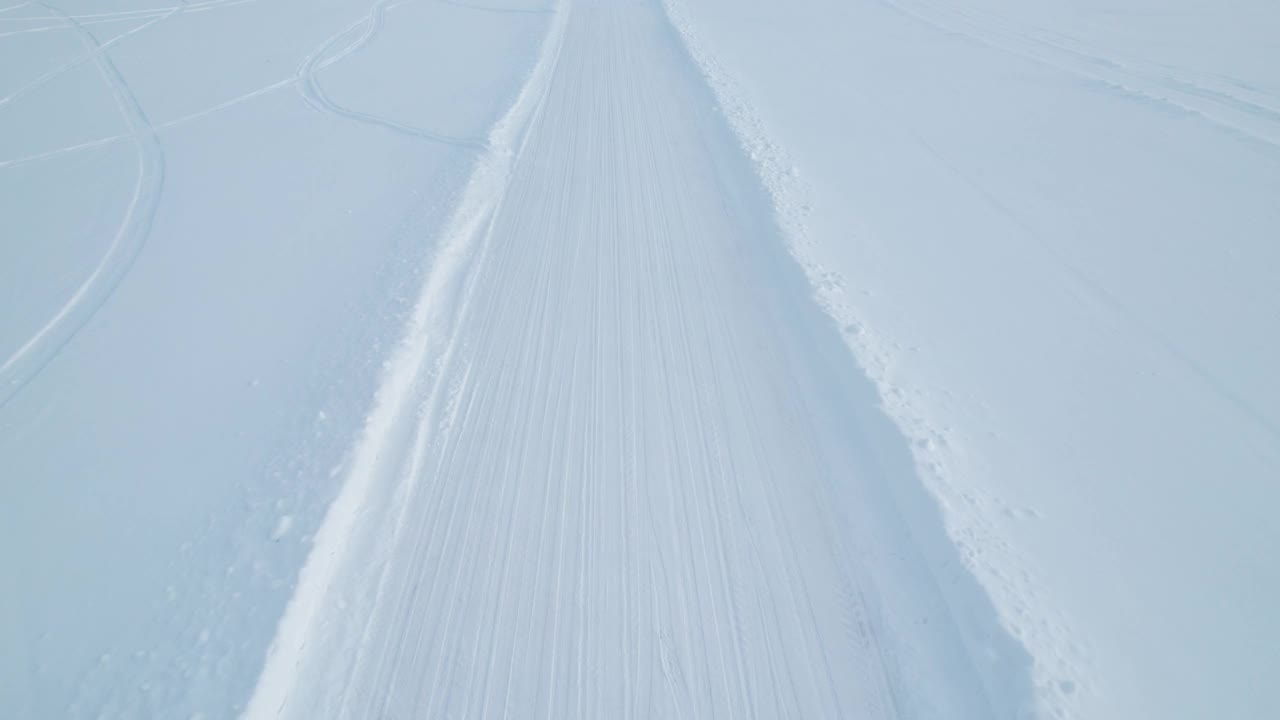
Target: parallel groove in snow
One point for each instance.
(615, 499)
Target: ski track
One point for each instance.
(29, 359)
(597, 481)
(305, 81)
(121, 16)
(315, 96)
(25, 363)
(1177, 87)
(1222, 101)
(80, 22)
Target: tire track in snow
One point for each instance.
(126, 14)
(312, 92)
(96, 50)
(496, 9)
(62, 26)
(303, 79)
(122, 16)
(1251, 114)
(25, 363)
(38, 350)
(1111, 303)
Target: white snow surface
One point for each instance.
(1050, 234)
(639, 358)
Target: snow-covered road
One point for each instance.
(621, 470)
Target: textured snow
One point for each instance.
(1048, 231)
(639, 358)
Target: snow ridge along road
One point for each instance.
(616, 468)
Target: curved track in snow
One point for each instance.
(38, 350)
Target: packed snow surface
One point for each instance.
(639, 358)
